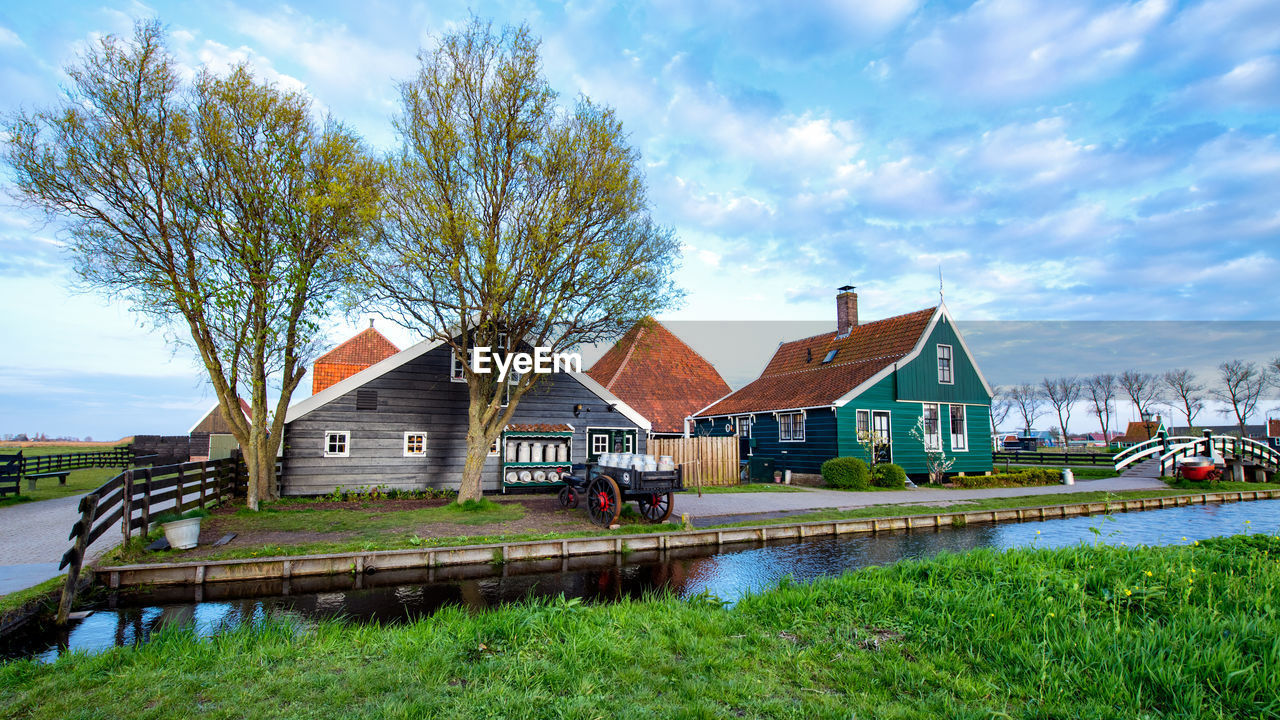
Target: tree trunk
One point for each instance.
(477, 449)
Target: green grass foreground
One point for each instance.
(1187, 632)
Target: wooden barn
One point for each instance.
(818, 395)
(660, 376)
(211, 437)
(401, 423)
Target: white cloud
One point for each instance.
(1038, 152)
(10, 39)
(1017, 48)
(1254, 83)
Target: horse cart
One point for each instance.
(605, 488)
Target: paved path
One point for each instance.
(718, 505)
(33, 537)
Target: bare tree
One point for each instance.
(1184, 393)
(1240, 386)
(1142, 388)
(217, 207)
(1030, 404)
(1062, 393)
(510, 221)
(1001, 406)
(1102, 398)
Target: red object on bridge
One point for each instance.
(1197, 471)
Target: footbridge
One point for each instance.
(1240, 456)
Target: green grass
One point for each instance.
(1222, 486)
(15, 600)
(1186, 632)
(78, 482)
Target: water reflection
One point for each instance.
(728, 573)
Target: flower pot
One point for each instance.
(182, 534)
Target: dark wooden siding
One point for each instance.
(803, 457)
(918, 379)
(419, 397)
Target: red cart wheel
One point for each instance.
(604, 501)
(656, 507)
(568, 498)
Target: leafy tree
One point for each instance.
(508, 220)
(1240, 387)
(1184, 393)
(216, 206)
(1062, 393)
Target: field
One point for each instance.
(78, 482)
(1185, 632)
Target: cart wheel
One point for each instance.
(568, 498)
(656, 508)
(604, 502)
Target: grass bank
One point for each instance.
(1184, 632)
(78, 482)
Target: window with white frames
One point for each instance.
(629, 443)
(959, 429)
(456, 373)
(415, 444)
(493, 447)
(337, 443)
(932, 430)
(742, 424)
(791, 427)
(946, 375)
(599, 444)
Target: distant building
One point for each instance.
(366, 349)
(211, 438)
(1140, 431)
(1253, 432)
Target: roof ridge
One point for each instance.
(626, 358)
(828, 366)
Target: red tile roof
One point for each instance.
(369, 347)
(1139, 431)
(797, 377)
(1273, 428)
(658, 375)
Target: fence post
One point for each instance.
(88, 508)
(126, 500)
(203, 472)
(146, 504)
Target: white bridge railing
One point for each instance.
(1173, 449)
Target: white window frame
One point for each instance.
(599, 436)
(405, 446)
(888, 414)
(346, 443)
(932, 441)
(858, 416)
(494, 447)
(628, 442)
(951, 365)
(458, 375)
(787, 420)
(742, 424)
(963, 437)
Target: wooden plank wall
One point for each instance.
(706, 460)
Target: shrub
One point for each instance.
(889, 475)
(1023, 478)
(846, 473)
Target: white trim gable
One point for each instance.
(217, 405)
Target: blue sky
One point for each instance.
(1059, 161)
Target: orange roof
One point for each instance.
(539, 427)
(660, 376)
(1139, 431)
(367, 348)
(1273, 428)
(797, 377)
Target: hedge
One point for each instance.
(846, 473)
(1023, 478)
(889, 475)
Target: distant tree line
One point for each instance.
(1239, 387)
(42, 437)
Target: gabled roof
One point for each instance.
(796, 377)
(656, 373)
(1139, 431)
(367, 348)
(1273, 427)
(417, 350)
(214, 423)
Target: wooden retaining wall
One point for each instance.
(275, 568)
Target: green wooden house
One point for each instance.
(826, 396)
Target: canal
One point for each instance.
(728, 573)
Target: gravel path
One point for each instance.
(33, 537)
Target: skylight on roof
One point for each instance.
(830, 356)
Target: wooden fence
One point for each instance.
(10, 474)
(135, 496)
(116, 457)
(1051, 458)
(706, 460)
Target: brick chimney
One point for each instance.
(846, 310)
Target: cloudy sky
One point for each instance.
(1058, 161)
